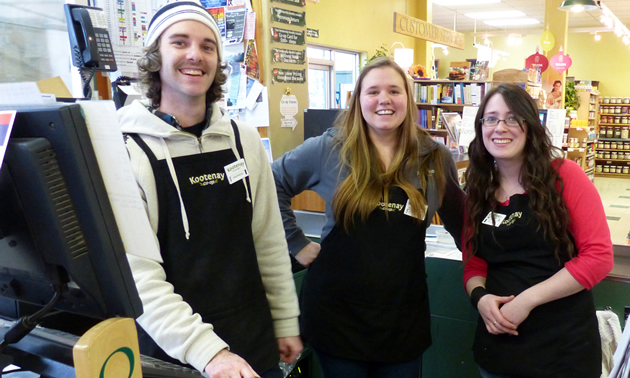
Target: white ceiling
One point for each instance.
(454, 18)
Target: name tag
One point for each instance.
(236, 171)
(496, 222)
(410, 213)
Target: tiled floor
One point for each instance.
(615, 193)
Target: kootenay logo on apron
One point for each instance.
(390, 206)
(208, 179)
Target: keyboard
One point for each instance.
(49, 352)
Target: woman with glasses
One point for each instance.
(536, 240)
(364, 303)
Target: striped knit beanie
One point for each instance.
(177, 11)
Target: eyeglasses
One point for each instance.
(494, 122)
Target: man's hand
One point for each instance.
(229, 365)
(308, 254)
(290, 348)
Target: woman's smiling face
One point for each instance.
(503, 142)
(383, 100)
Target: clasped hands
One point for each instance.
(503, 314)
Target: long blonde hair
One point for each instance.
(368, 182)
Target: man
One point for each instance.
(223, 300)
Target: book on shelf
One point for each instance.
(452, 122)
(447, 93)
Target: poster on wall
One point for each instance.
(297, 3)
(291, 37)
(288, 17)
(251, 60)
(288, 108)
(288, 56)
(281, 75)
(234, 24)
(219, 17)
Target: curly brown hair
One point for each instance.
(538, 176)
(151, 62)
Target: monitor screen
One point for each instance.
(57, 228)
(542, 114)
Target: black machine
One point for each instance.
(60, 249)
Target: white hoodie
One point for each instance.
(167, 318)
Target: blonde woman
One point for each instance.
(364, 302)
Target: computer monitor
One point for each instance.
(57, 227)
(542, 114)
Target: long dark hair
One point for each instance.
(538, 176)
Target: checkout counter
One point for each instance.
(453, 319)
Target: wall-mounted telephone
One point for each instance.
(89, 39)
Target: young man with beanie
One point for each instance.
(223, 300)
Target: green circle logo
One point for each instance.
(128, 352)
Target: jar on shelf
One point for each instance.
(613, 100)
(607, 155)
(610, 131)
(600, 155)
(598, 168)
(626, 100)
(606, 100)
(626, 145)
(605, 109)
(606, 169)
(626, 170)
(617, 133)
(619, 169)
(602, 132)
(625, 132)
(624, 110)
(624, 120)
(617, 119)
(619, 100)
(607, 145)
(613, 145)
(614, 155)
(617, 109)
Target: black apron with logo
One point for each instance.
(215, 271)
(559, 339)
(365, 296)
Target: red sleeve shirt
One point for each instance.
(588, 226)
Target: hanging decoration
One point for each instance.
(561, 62)
(547, 40)
(537, 61)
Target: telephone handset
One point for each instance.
(89, 39)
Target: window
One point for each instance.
(331, 77)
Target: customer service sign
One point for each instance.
(420, 29)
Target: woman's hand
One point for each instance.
(308, 254)
(489, 307)
(517, 310)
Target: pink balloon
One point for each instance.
(561, 62)
(537, 60)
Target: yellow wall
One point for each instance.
(606, 60)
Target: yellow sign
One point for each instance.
(547, 41)
(420, 29)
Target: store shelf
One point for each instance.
(612, 175)
(613, 139)
(615, 160)
(443, 105)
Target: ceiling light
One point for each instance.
(452, 3)
(598, 36)
(578, 5)
(494, 15)
(512, 22)
(445, 51)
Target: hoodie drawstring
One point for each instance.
(171, 169)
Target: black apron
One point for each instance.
(215, 271)
(365, 296)
(559, 339)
